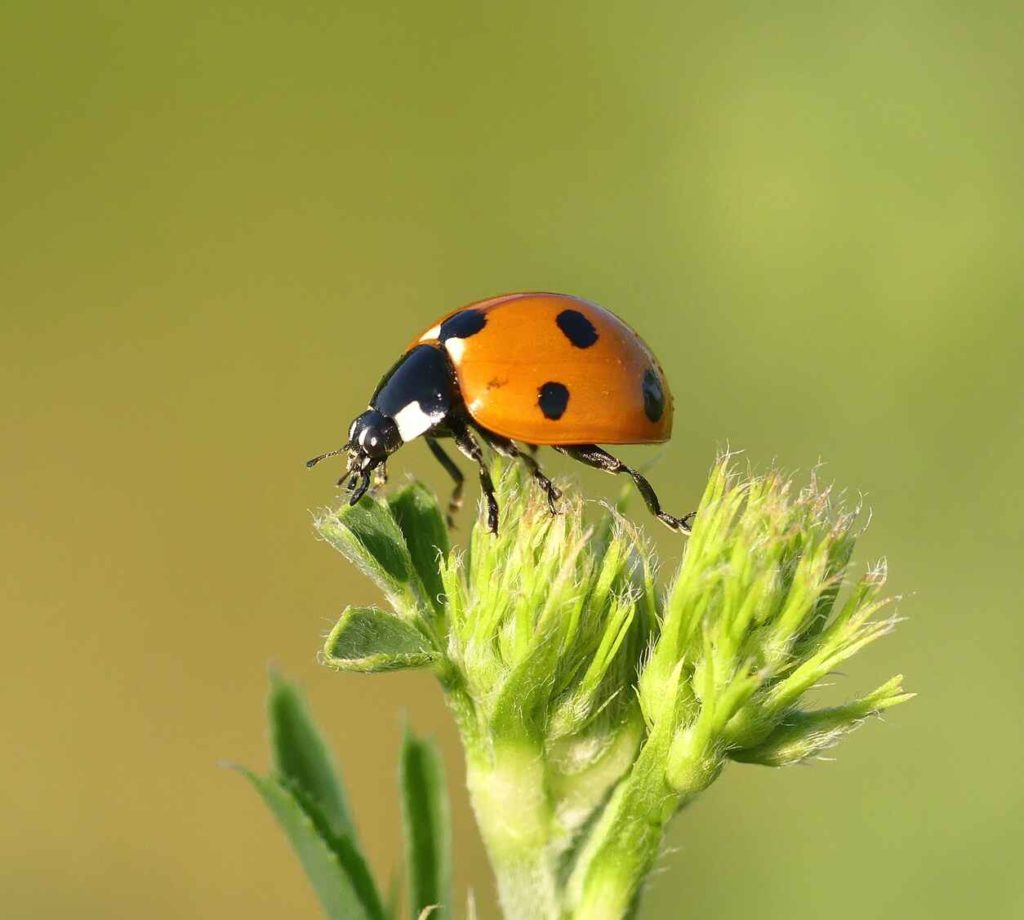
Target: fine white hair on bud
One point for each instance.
(593, 702)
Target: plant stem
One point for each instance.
(625, 842)
(509, 796)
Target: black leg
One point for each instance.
(455, 502)
(360, 491)
(361, 480)
(507, 448)
(592, 455)
(465, 441)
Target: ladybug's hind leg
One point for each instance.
(455, 502)
(465, 442)
(507, 448)
(594, 456)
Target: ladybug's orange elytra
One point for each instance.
(616, 392)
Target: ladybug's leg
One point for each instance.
(360, 490)
(465, 441)
(364, 478)
(455, 502)
(507, 448)
(592, 455)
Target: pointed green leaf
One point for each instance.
(331, 879)
(369, 639)
(416, 512)
(301, 758)
(349, 853)
(802, 734)
(426, 823)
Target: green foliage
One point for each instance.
(327, 862)
(368, 639)
(416, 513)
(302, 761)
(593, 705)
(427, 826)
(369, 535)
(306, 796)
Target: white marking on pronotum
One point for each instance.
(431, 334)
(455, 347)
(412, 421)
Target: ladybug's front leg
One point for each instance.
(360, 490)
(465, 442)
(362, 479)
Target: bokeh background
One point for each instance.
(220, 222)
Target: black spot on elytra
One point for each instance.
(462, 325)
(553, 398)
(577, 328)
(654, 396)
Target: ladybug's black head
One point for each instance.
(414, 397)
(371, 439)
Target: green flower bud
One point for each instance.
(592, 705)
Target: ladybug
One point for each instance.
(537, 368)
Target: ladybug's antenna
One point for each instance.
(331, 453)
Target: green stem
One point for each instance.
(509, 794)
(625, 843)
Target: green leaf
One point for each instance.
(802, 734)
(391, 906)
(369, 639)
(319, 856)
(416, 512)
(367, 535)
(427, 828)
(302, 760)
(305, 771)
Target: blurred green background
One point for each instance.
(220, 222)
